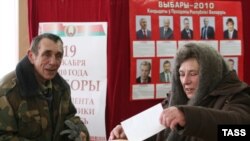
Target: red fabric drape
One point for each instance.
(65, 11)
(116, 13)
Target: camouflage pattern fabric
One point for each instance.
(28, 118)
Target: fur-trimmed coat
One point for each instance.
(227, 104)
(221, 98)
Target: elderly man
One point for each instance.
(205, 93)
(207, 31)
(145, 68)
(35, 100)
(143, 33)
(165, 31)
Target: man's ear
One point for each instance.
(31, 56)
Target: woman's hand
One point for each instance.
(117, 133)
(171, 117)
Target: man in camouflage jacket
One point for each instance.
(35, 100)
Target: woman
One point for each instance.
(205, 94)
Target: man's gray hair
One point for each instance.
(146, 63)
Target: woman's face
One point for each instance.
(189, 76)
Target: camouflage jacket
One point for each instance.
(25, 113)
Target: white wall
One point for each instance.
(8, 35)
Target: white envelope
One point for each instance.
(144, 124)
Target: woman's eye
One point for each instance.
(193, 73)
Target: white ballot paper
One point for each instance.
(144, 124)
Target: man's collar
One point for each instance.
(47, 85)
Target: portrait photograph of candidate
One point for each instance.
(143, 72)
(143, 27)
(166, 27)
(230, 28)
(165, 70)
(207, 28)
(232, 63)
(186, 23)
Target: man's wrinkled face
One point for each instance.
(48, 59)
(189, 76)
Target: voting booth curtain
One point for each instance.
(116, 13)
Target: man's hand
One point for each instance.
(83, 136)
(74, 132)
(117, 133)
(171, 117)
